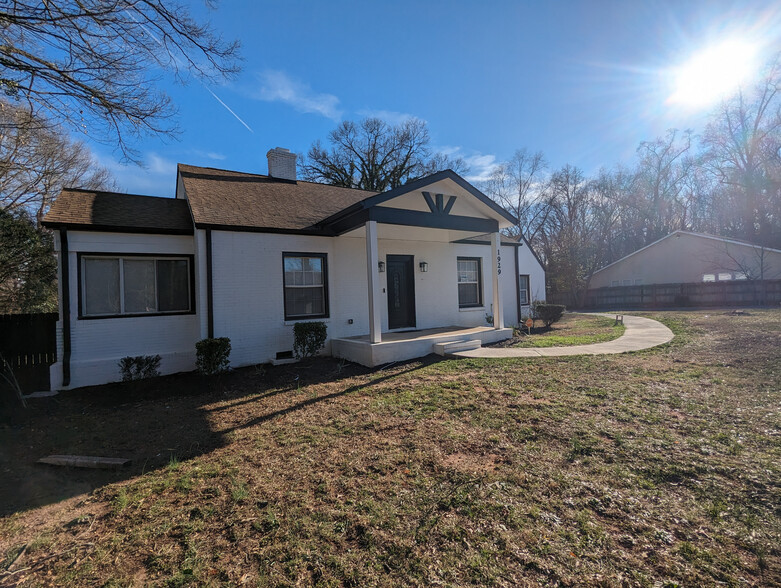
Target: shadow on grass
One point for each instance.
(152, 422)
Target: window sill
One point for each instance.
(307, 320)
(472, 309)
(135, 315)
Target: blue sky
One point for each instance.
(584, 82)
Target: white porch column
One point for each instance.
(496, 265)
(373, 274)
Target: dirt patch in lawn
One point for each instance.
(572, 329)
(660, 467)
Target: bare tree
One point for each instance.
(742, 146)
(37, 160)
(92, 64)
(663, 167)
(373, 155)
(575, 236)
(519, 185)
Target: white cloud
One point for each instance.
(481, 165)
(389, 116)
(156, 178)
(210, 155)
(277, 86)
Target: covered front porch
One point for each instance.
(404, 345)
(432, 270)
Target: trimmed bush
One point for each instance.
(309, 338)
(212, 355)
(139, 367)
(547, 313)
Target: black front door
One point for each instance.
(401, 291)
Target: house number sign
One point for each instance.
(499, 264)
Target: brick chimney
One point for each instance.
(281, 163)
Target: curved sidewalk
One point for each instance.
(640, 333)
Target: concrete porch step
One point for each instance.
(453, 346)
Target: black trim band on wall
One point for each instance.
(209, 277)
(66, 308)
(518, 285)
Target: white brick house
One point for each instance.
(246, 256)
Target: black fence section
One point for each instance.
(731, 293)
(28, 342)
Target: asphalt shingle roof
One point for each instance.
(117, 212)
(235, 199)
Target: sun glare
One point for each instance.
(713, 73)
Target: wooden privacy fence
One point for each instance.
(28, 343)
(731, 293)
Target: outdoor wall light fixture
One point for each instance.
(423, 266)
(381, 266)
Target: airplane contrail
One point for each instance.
(228, 108)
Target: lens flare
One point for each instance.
(714, 73)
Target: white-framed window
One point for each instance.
(305, 285)
(708, 277)
(725, 276)
(627, 282)
(740, 276)
(470, 282)
(614, 283)
(113, 285)
(523, 289)
(638, 281)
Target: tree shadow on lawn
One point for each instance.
(154, 421)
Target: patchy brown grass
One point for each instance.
(572, 329)
(657, 468)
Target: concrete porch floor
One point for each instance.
(404, 345)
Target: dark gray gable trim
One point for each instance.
(534, 253)
(412, 218)
(316, 231)
(412, 187)
(116, 229)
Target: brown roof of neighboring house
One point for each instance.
(111, 211)
(221, 198)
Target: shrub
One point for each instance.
(309, 338)
(547, 313)
(212, 355)
(139, 367)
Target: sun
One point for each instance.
(713, 73)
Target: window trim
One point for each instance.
(479, 261)
(110, 255)
(326, 301)
(528, 289)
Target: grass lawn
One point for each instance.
(572, 329)
(656, 468)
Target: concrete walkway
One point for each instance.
(640, 333)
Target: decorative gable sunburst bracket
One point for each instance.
(437, 204)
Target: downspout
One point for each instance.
(65, 308)
(209, 296)
(518, 284)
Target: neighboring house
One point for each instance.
(246, 256)
(685, 257)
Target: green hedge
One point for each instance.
(309, 338)
(212, 355)
(548, 313)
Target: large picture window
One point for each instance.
(138, 285)
(306, 285)
(470, 282)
